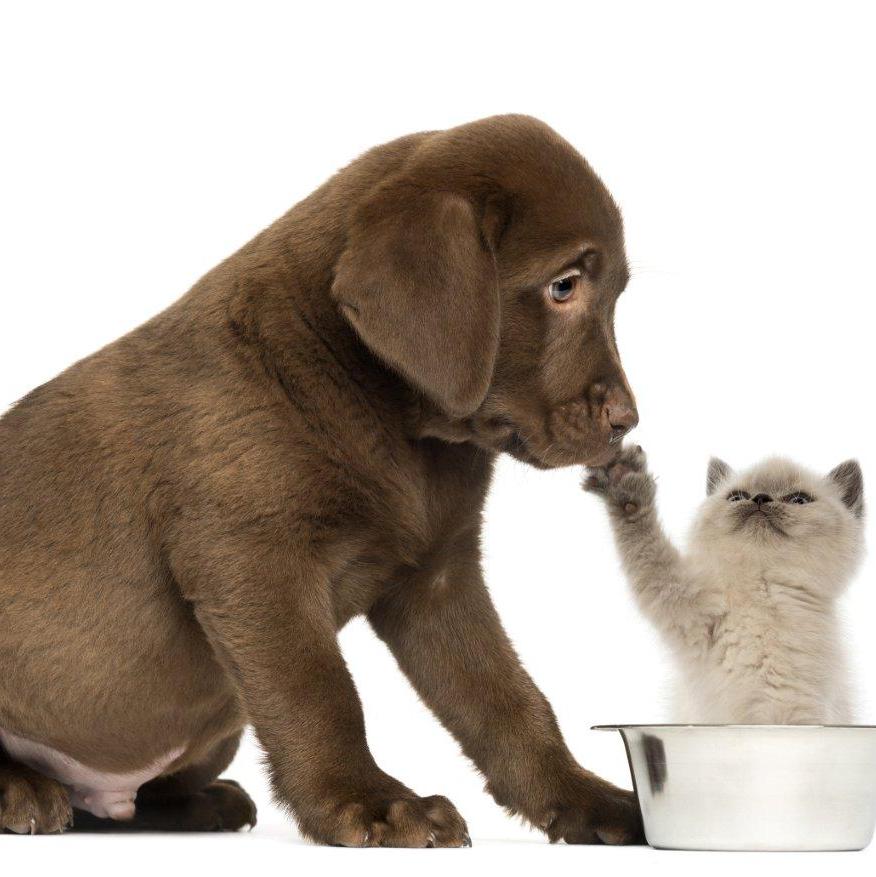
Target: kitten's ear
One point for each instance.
(850, 480)
(717, 472)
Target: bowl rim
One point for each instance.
(738, 727)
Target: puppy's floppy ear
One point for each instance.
(418, 283)
(717, 472)
(850, 480)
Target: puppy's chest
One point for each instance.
(388, 559)
(406, 537)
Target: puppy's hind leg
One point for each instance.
(31, 803)
(192, 799)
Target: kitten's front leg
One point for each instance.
(655, 569)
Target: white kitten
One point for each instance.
(749, 610)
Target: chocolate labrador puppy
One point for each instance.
(189, 516)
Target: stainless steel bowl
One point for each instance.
(754, 787)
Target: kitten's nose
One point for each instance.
(762, 498)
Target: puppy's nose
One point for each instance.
(762, 498)
(621, 415)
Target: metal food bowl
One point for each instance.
(754, 787)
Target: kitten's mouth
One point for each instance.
(760, 517)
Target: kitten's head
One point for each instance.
(786, 514)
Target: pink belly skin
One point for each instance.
(106, 795)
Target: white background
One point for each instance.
(142, 143)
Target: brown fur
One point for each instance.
(188, 516)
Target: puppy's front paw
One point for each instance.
(626, 485)
(31, 803)
(596, 813)
(404, 821)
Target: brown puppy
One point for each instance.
(188, 516)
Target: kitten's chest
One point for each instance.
(764, 622)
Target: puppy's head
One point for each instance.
(485, 271)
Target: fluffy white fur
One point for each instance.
(749, 610)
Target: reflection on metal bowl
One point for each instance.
(754, 787)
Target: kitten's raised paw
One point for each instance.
(633, 493)
(631, 459)
(626, 484)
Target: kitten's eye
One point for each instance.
(799, 497)
(737, 495)
(563, 288)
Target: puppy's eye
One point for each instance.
(799, 497)
(563, 288)
(737, 495)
